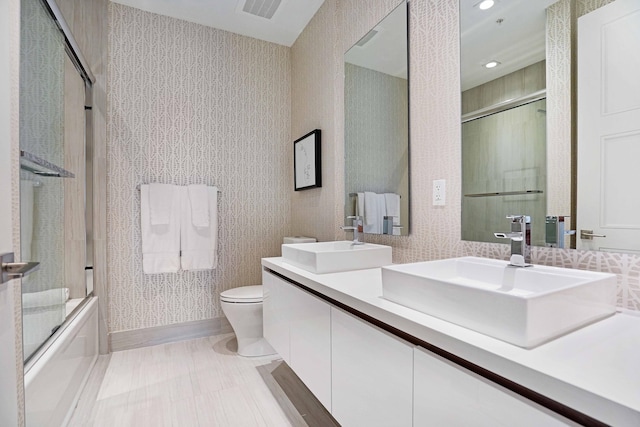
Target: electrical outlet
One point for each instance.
(439, 192)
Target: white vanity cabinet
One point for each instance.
(448, 394)
(298, 327)
(371, 375)
(276, 313)
(310, 337)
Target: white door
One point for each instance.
(609, 128)
(8, 372)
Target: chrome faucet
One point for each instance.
(520, 236)
(357, 229)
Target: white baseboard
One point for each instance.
(135, 338)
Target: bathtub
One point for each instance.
(57, 373)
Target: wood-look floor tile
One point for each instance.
(201, 382)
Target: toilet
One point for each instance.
(243, 308)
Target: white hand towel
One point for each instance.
(160, 203)
(370, 208)
(392, 202)
(370, 213)
(382, 212)
(26, 220)
(199, 201)
(160, 243)
(200, 244)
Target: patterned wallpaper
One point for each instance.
(192, 104)
(13, 58)
(313, 80)
(559, 113)
(586, 6)
(435, 137)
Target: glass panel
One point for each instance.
(41, 197)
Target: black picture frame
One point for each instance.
(307, 170)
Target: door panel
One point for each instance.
(609, 127)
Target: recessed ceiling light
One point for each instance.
(491, 64)
(486, 4)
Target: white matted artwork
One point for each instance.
(307, 171)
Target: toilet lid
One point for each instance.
(251, 293)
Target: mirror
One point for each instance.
(376, 93)
(505, 152)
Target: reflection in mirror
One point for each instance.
(377, 127)
(609, 129)
(504, 115)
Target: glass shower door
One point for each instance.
(43, 177)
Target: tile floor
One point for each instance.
(200, 382)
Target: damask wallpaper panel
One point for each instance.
(192, 104)
(434, 135)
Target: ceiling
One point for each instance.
(284, 27)
(516, 42)
(384, 48)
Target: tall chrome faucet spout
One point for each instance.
(520, 237)
(357, 229)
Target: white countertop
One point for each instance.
(594, 370)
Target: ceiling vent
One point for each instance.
(371, 34)
(261, 8)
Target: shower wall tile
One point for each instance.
(434, 136)
(191, 104)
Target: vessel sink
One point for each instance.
(522, 306)
(332, 257)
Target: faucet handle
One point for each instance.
(354, 217)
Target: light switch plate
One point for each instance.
(439, 192)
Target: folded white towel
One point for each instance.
(46, 298)
(160, 243)
(199, 244)
(160, 203)
(199, 201)
(392, 202)
(26, 220)
(382, 212)
(370, 208)
(374, 212)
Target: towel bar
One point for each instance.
(138, 188)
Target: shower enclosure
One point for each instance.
(55, 143)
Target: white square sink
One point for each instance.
(332, 257)
(522, 306)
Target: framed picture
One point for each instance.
(306, 161)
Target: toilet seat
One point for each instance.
(243, 294)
